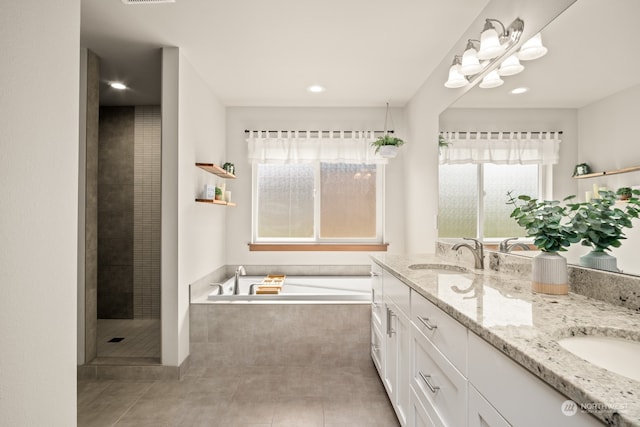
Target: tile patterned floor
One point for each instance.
(141, 338)
(241, 397)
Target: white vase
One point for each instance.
(599, 260)
(549, 274)
(388, 151)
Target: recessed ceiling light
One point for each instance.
(316, 88)
(118, 85)
(519, 90)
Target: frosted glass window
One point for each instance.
(348, 201)
(498, 181)
(318, 202)
(458, 200)
(285, 201)
(459, 206)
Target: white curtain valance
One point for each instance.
(503, 148)
(313, 146)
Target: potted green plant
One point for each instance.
(387, 145)
(624, 193)
(600, 224)
(546, 221)
(218, 195)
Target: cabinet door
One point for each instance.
(397, 360)
(377, 306)
(377, 348)
(481, 413)
(403, 331)
(390, 363)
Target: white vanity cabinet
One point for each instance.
(397, 338)
(438, 373)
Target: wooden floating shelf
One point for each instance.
(613, 172)
(216, 202)
(216, 170)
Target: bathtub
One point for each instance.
(300, 290)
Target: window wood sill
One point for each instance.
(317, 247)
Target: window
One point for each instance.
(318, 202)
(478, 169)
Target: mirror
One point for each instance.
(587, 86)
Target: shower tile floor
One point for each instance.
(265, 396)
(141, 338)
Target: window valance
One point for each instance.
(313, 146)
(507, 148)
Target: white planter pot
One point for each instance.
(549, 274)
(388, 151)
(599, 260)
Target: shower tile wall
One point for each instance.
(129, 213)
(146, 212)
(115, 213)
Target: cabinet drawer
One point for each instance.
(419, 416)
(397, 291)
(437, 382)
(446, 333)
(377, 347)
(496, 377)
(481, 413)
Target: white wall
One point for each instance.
(256, 118)
(421, 157)
(193, 242)
(609, 141)
(40, 45)
(526, 119)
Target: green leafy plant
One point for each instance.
(387, 139)
(624, 193)
(600, 223)
(545, 221)
(442, 142)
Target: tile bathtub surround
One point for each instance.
(525, 326)
(267, 335)
(281, 396)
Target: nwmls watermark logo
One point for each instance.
(570, 408)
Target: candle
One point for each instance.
(596, 193)
(588, 196)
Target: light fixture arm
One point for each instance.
(488, 26)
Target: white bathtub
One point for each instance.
(300, 290)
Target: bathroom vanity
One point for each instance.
(456, 346)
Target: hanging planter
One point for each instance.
(387, 145)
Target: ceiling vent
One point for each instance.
(147, 1)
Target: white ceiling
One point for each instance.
(593, 53)
(266, 53)
(366, 52)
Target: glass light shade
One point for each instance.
(456, 79)
(470, 63)
(532, 49)
(510, 66)
(491, 80)
(490, 46)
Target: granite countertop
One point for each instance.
(502, 309)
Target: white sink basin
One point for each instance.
(614, 354)
(440, 268)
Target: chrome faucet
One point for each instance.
(477, 250)
(236, 283)
(506, 247)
